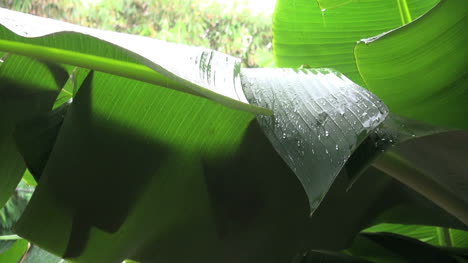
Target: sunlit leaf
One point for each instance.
(303, 34)
(420, 70)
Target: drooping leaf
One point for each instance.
(420, 70)
(319, 118)
(303, 34)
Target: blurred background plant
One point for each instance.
(230, 27)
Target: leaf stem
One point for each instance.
(444, 237)
(120, 68)
(405, 14)
(403, 171)
(10, 237)
(107, 65)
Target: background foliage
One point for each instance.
(233, 29)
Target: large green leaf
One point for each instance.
(167, 153)
(303, 34)
(420, 70)
(358, 205)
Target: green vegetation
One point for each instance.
(231, 30)
(136, 148)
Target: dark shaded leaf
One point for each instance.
(27, 87)
(36, 137)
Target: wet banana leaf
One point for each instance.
(319, 118)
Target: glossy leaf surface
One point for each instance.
(320, 117)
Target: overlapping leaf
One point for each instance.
(420, 70)
(303, 34)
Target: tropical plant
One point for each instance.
(160, 152)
